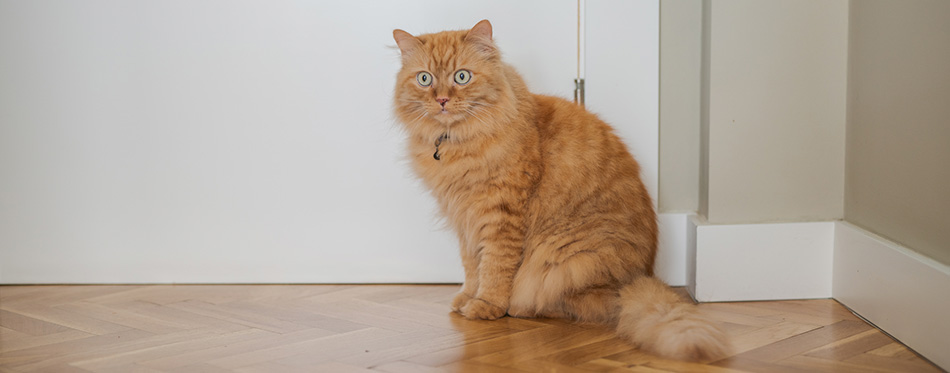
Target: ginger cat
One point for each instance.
(551, 215)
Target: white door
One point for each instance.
(253, 142)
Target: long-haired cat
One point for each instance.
(550, 212)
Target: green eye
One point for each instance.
(424, 78)
(463, 76)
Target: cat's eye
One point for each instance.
(424, 78)
(463, 76)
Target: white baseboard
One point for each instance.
(900, 291)
(671, 257)
(743, 262)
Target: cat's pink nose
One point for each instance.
(442, 100)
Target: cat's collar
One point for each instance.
(438, 141)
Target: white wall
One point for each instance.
(621, 73)
(775, 117)
(681, 31)
(233, 141)
(898, 132)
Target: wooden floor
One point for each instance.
(390, 328)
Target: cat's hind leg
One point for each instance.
(578, 281)
(596, 305)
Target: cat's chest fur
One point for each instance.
(478, 175)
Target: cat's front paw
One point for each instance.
(477, 309)
(461, 299)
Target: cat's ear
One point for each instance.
(480, 36)
(406, 42)
(481, 30)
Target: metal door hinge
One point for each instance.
(579, 91)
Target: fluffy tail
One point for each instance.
(661, 322)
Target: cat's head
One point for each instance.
(450, 79)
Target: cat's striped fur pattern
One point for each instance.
(547, 202)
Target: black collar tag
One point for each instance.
(437, 143)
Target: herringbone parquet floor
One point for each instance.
(390, 328)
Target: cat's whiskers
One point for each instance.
(478, 110)
(471, 112)
(422, 113)
(412, 101)
(476, 103)
(480, 104)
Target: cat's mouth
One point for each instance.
(447, 116)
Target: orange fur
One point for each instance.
(547, 202)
